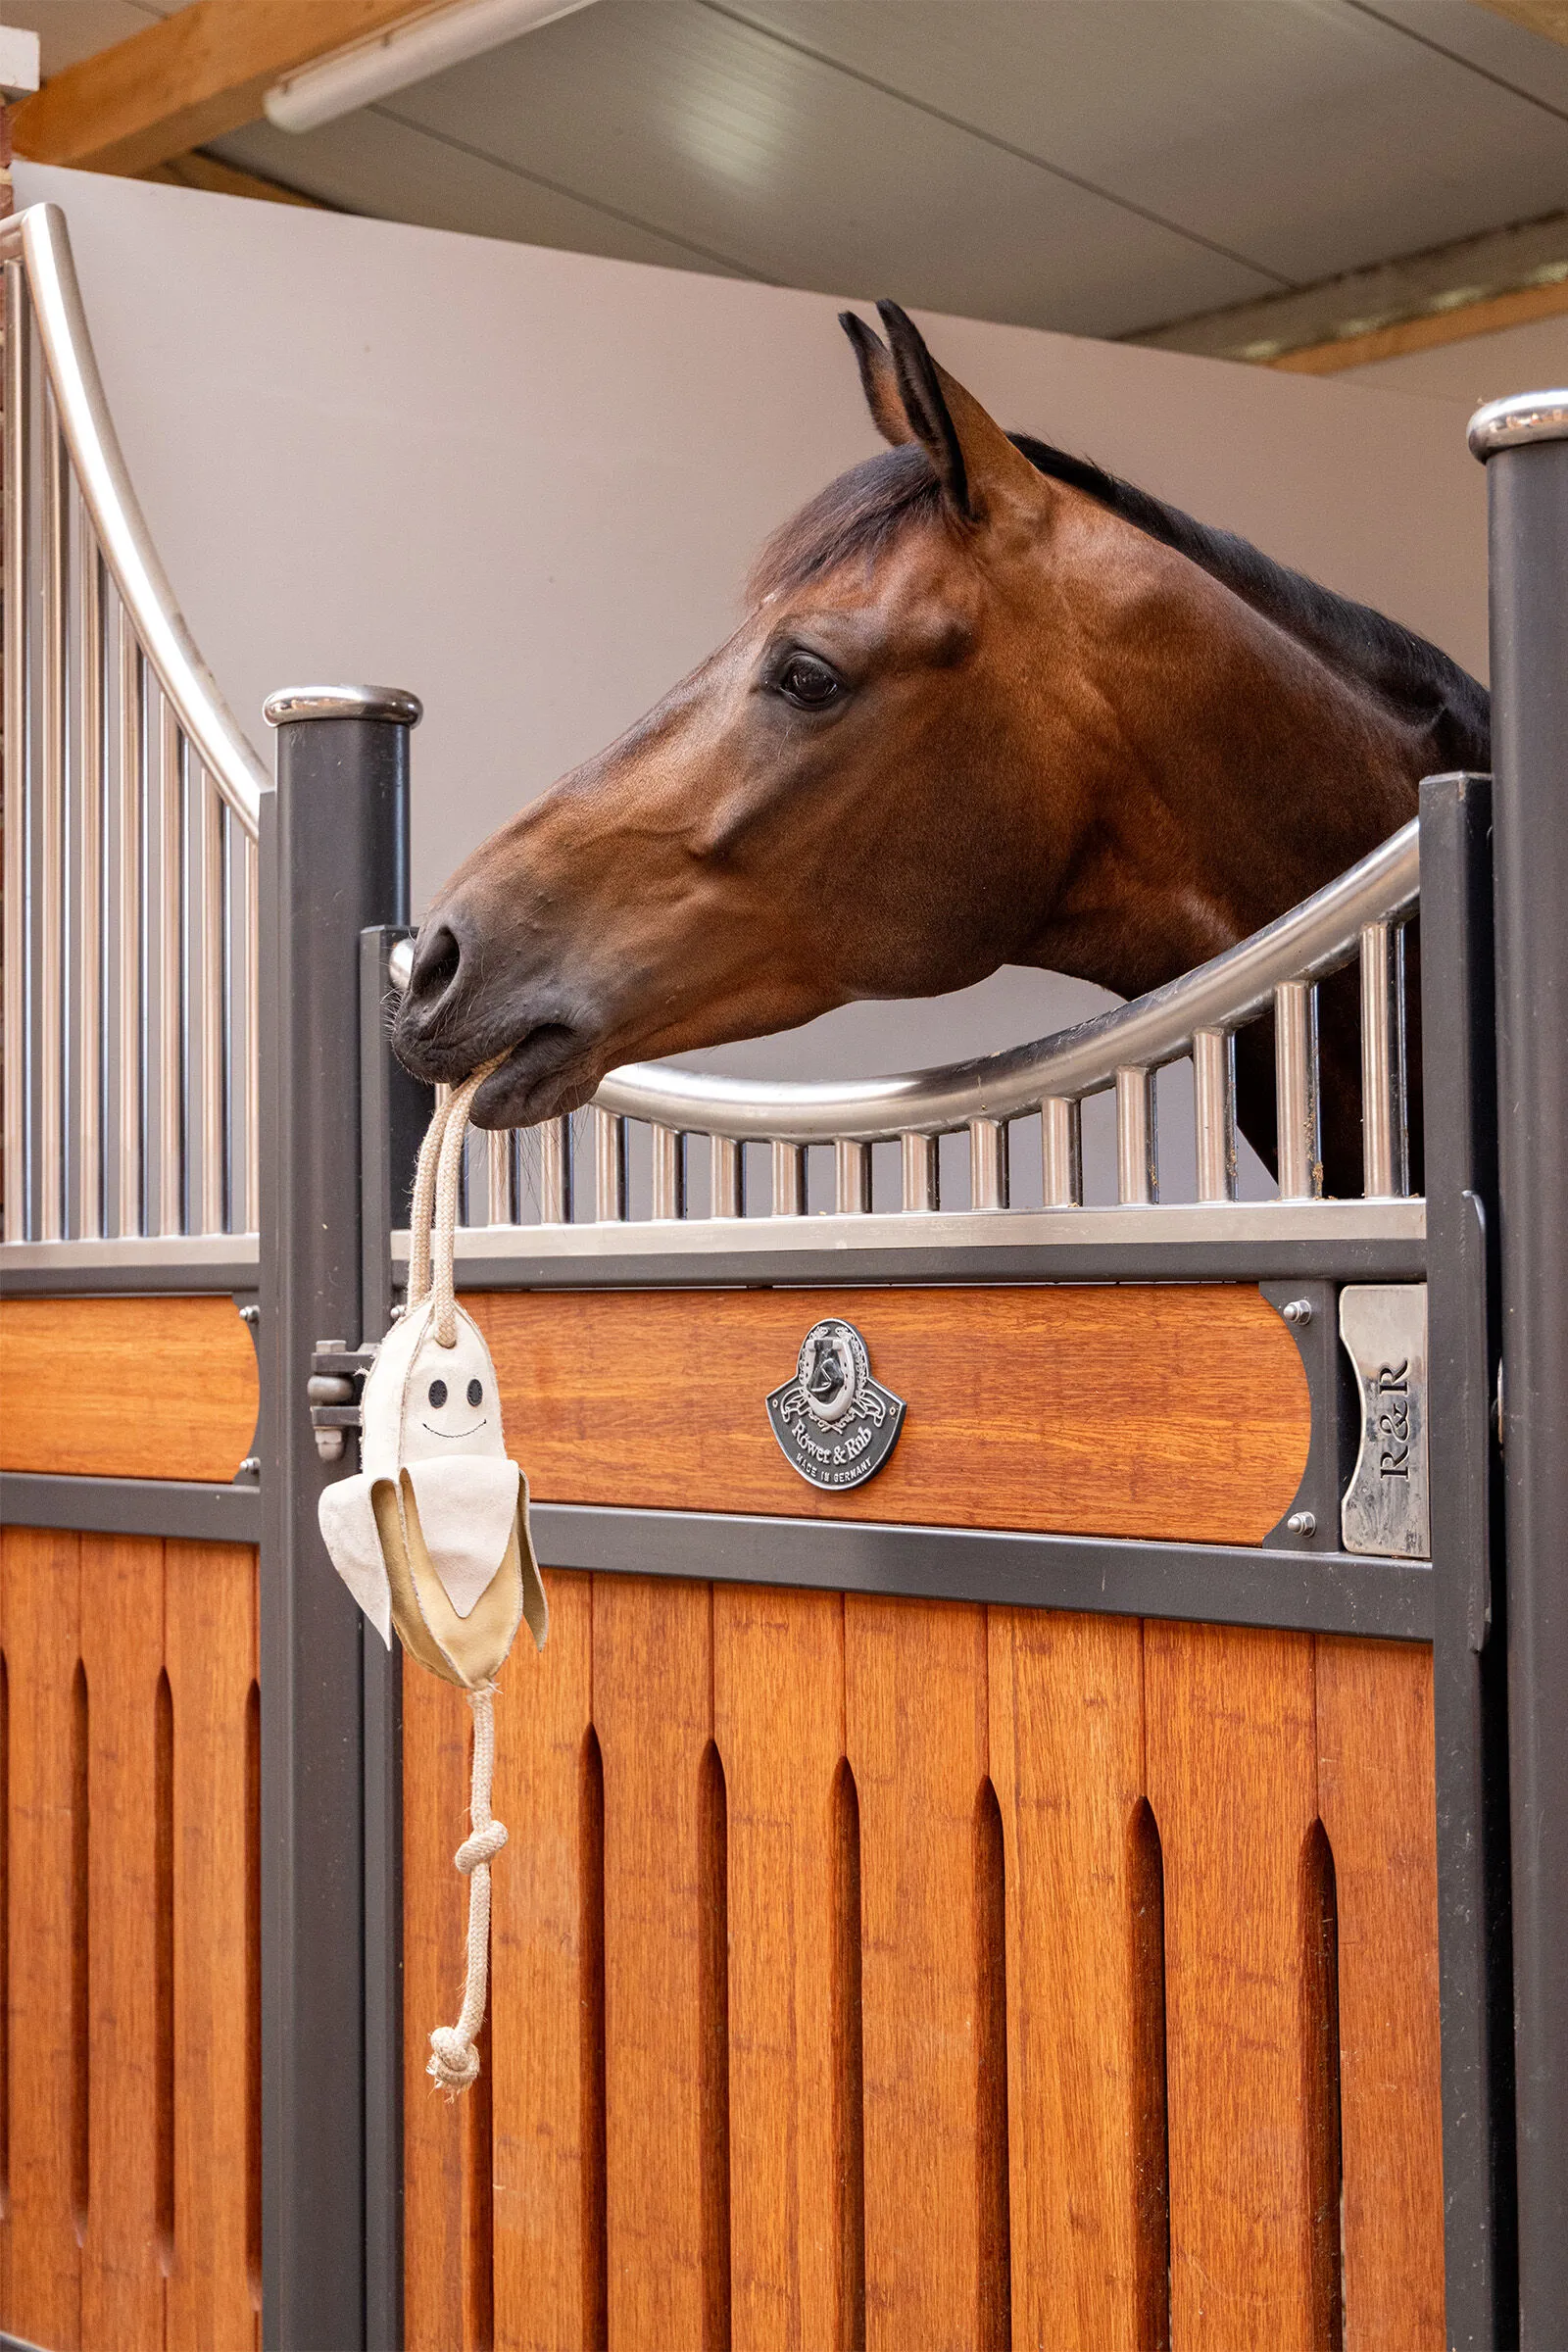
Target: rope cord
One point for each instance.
(454, 2061)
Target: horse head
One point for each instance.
(983, 706)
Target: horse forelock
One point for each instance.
(862, 512)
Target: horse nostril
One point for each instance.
(436, 959)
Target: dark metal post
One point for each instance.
(1459, 1029)
(1523, 443)
(334, 858)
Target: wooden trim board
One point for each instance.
(126, 1387)
(1158, 1411)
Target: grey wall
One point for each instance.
(528, 483)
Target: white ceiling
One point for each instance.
(1097, 166)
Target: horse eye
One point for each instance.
(475, 1391)
(438, 1394)
(807, 680)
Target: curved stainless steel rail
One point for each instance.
(38, 238)
(1314, 939)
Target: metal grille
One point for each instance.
(130, 806)
(661, 1143)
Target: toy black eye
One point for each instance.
(475, 1391)
(438, 1394)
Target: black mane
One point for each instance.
(865, 508)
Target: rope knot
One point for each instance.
(453, 2060)
(482, 1847)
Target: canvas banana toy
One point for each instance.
(432, 1534)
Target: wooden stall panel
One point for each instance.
(547, 1996)
(666, 2126)
(1377, 1801)
(1066, 1739)
(445, 2273)
(916, 1724)
(48, 2153)
(1109, 1411)
(127, 2240)
(778, 1720)
(215, 2268)
(1232, 1781)
(126, 1387)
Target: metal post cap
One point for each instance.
(1522, 416)
(291, 703)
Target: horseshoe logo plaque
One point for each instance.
(836, 1425)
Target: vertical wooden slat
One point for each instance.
(436, 1728)
(545, 1966)
(210, 1651)
(1376, 1798)
(1230, 1740)
(42, 1575)
(123, 1651)
(915, 1734)
(1066, 1759)
(778, 1720)
(652, 1708)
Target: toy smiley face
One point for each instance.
(432, 1537)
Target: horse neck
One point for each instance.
(1240, 774)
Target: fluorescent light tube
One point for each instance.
(406, 53)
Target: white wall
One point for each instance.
(1516, 359)
(527, 484)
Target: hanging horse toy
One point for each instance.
(432, 1536)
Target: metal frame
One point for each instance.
(334, 841)
(1527, 481)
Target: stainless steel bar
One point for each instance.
(169, 1171)
(920, 1170)
(789, 1180)
(610, 1168)
(59, 325)
(555, 1172)
(1215, 1108)
(1137, 1146)
(1061, 1151)
(499, 1207)
(726, 1177)
(210, 961)
(670, 1172)
(852, 1178)
(1385, 1133)
(13, 785)
(251, 1215)
(52, 924)
(988, 1163)
(91, 796)
(1297, 1124)
(127, 802)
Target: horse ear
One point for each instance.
(974, 460)
(878, 382)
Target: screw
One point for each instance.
(1298, 1310)
(250, 1314)
(250, 1466)
(1302, 1523)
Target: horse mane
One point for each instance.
(860, 512)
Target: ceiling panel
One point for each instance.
(1310, 135)
(372, 163)
(719, 134)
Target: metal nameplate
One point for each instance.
(1386, 1509)
(836, 1424)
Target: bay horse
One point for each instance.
(988, 704)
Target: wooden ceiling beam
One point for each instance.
(198, 74)
(1548, 18)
